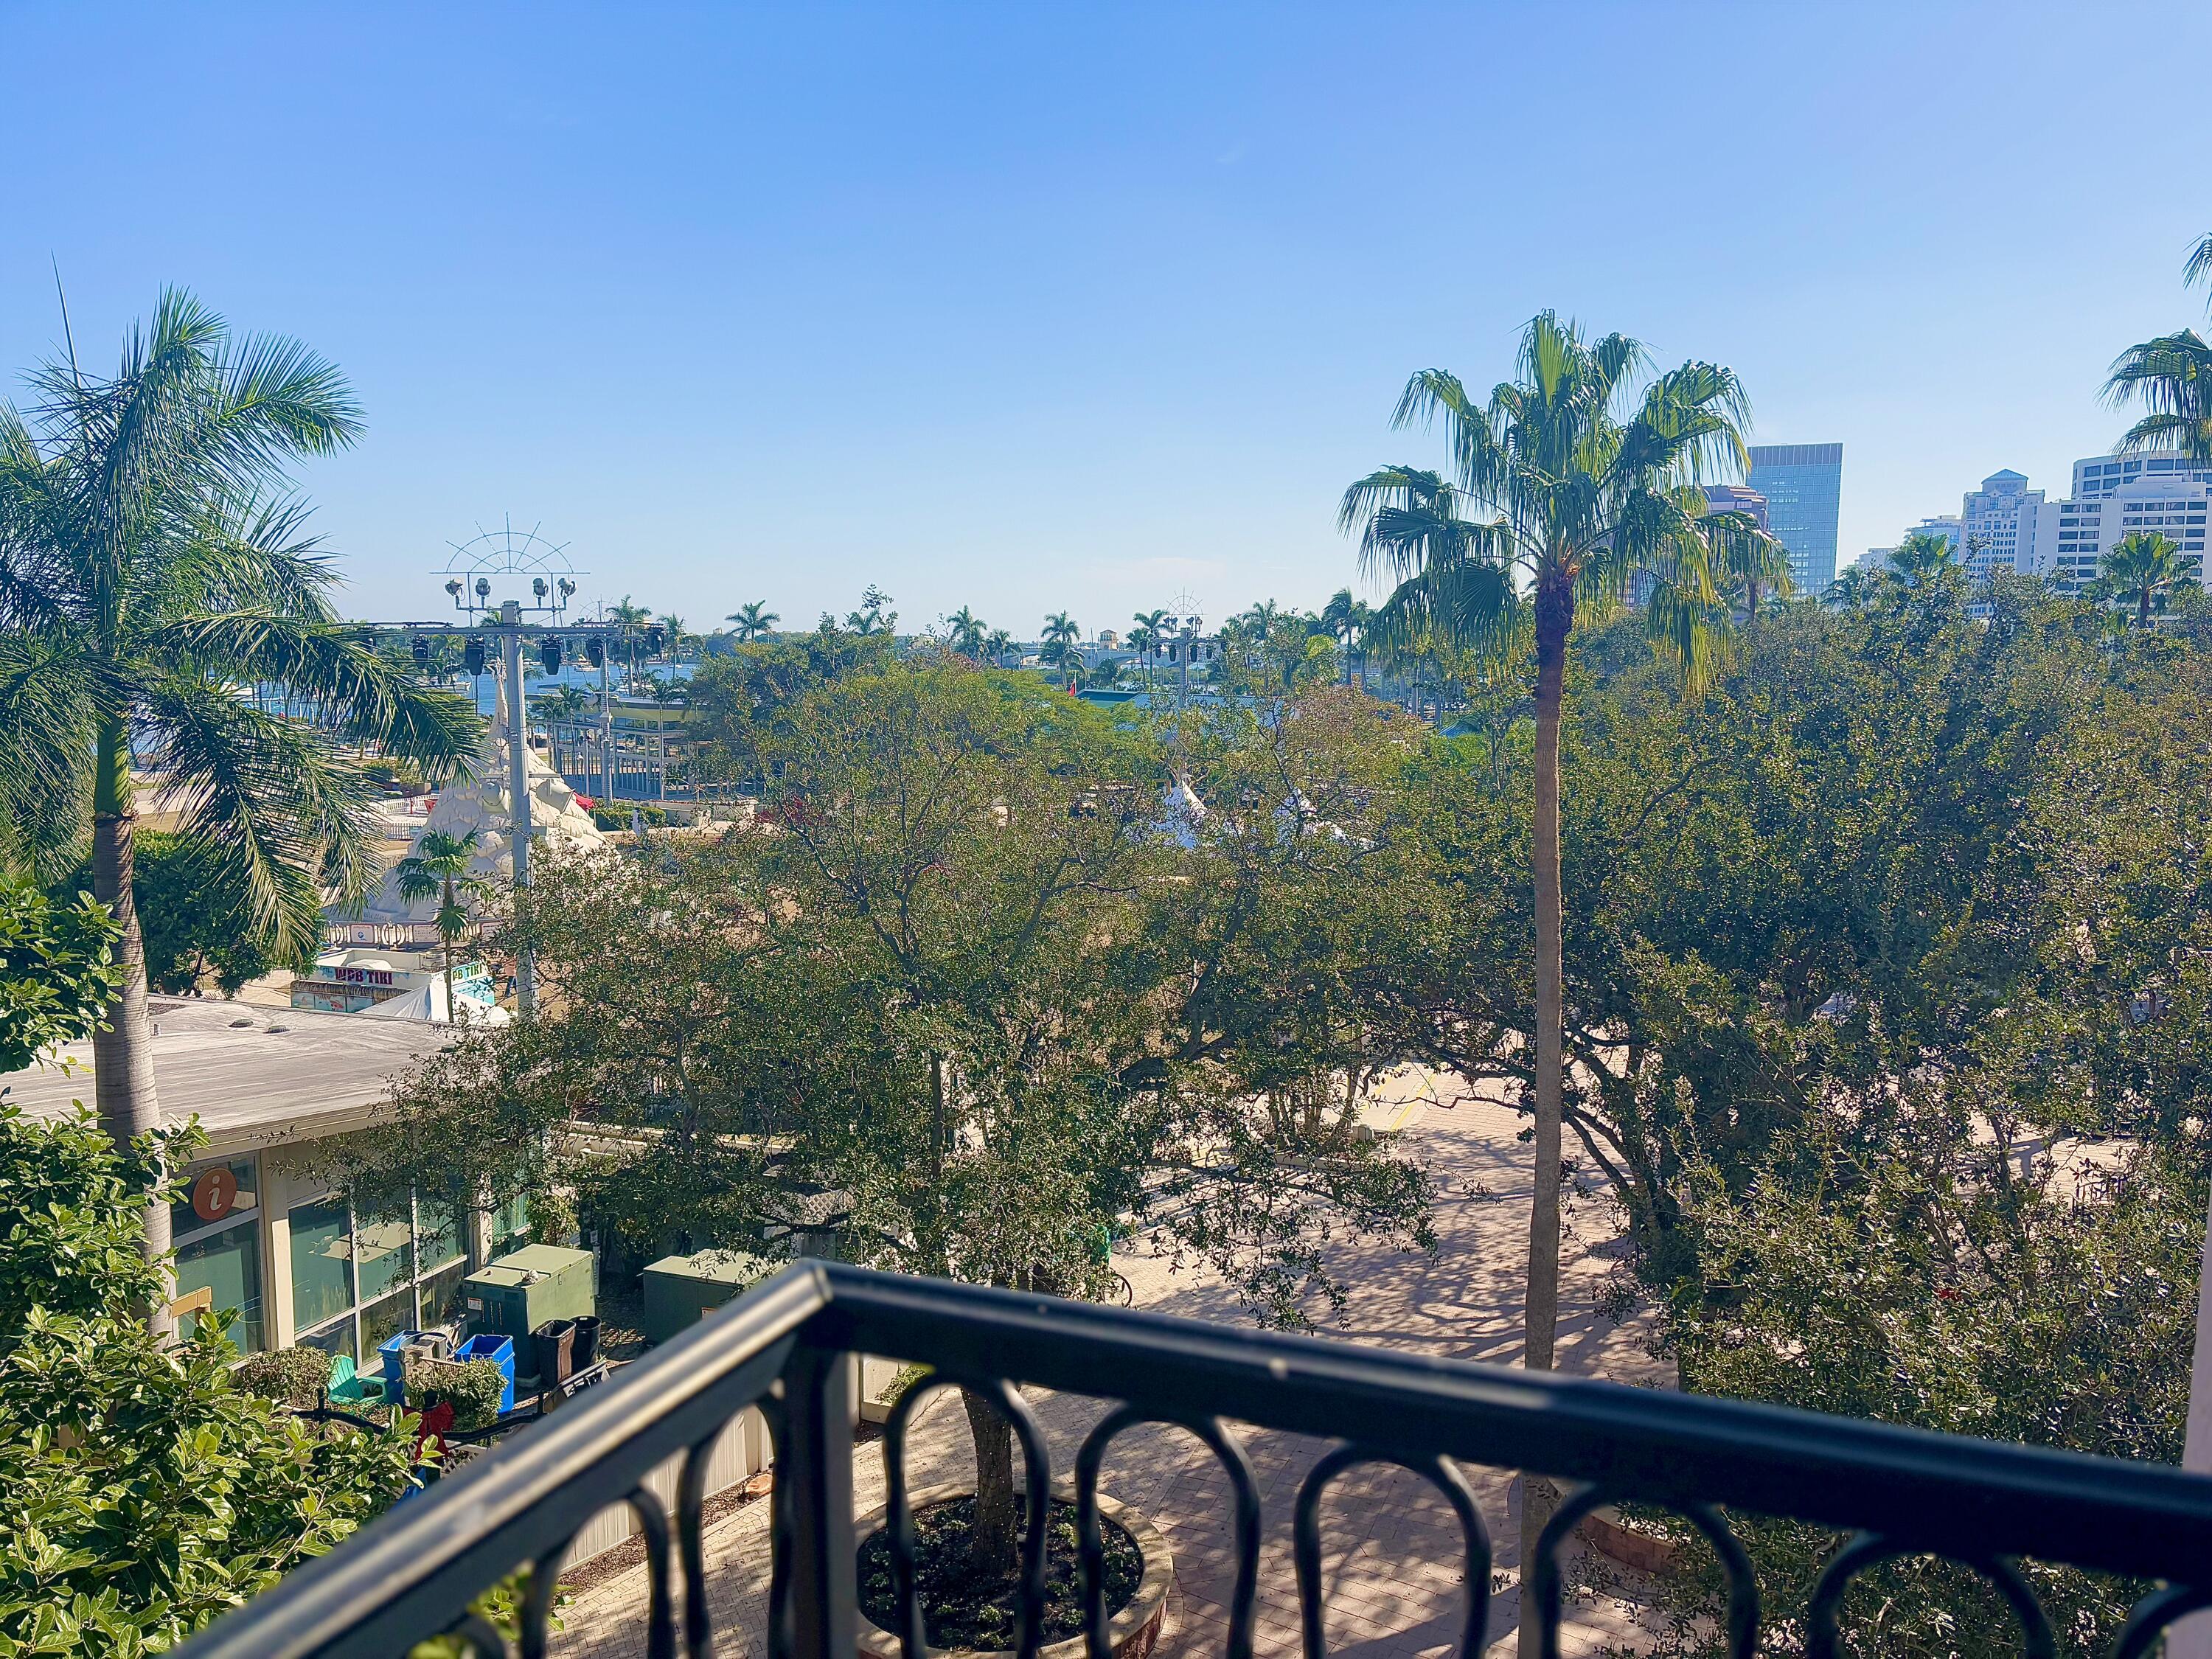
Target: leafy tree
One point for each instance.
(192, 921)
(1920, 1281)
(742, 698)
(439, 868)
(57, 970)
(1577, 481)
(754, 619)
(874, 615)
(961, 987)
(151, 559)
(2144, 568)
(143, 1493)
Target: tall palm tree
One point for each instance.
(1058, 644)
(1571, 481)
(679, 637)
(438, 868)
(1345, 617)
(2172, 376)
(1143, 640)
(997, 643)
(2144, 568)
(627, 615)
(754, 620)
(1153, 625)
(152, 561)
(1756, 564)
(967, 632)
(1924, 559)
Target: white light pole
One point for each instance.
(518, 786)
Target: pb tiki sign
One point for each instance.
(214, 1194)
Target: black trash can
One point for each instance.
(585, 1351)
(556, 1348)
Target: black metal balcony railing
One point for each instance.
(1900, 1492)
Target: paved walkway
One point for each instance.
(1390, 1545)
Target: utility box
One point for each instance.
(681, 1289)
(532, 1285)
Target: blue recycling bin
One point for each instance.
(500, 1350)
(395, 1382)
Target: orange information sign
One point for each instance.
(213, 1193)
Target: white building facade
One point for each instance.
(2005, 525)
(2172, 503)
(2002, 523)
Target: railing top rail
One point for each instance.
(1946, 1493)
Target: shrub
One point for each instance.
(616, 814)
(143, 1492)
(472, 1389)
(290, 1376)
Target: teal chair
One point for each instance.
(349, 1389)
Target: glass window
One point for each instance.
(228, 1265)
(381, 1256)
(510, 1226)
(214, 1193)
(382, 1321)
(437, 1239)
(442, 1295)
(338, 1339)
(322, 1264)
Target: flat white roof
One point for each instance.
(254, 1077)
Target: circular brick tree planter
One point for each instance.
(1646, 1551)
(1130, 1633)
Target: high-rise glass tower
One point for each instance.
(1803, 484)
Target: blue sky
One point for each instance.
(1032, 307)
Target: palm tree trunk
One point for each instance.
(122, 1054)
(453, 1008)
(2142, 609)
(1540, 1311)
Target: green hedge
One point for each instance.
(290, 1376)
(616, 815)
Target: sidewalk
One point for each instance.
(1391, 1547)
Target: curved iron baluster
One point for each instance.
(1229, 1451)
(2148, 1620)
(1438, 1472)
(898, 1513)
(652, 1522)
(1742, 1581)
(781, 1642)
(1543, 1592)
(1870, 1550)
(537, 1602)
(477, 1631)
(692, 1532)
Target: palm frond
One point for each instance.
(274, 809)
(375, 701)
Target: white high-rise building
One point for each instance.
(2171, 502)
(2002, 522)
(2104, 475)
(1952, 530)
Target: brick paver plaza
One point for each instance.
(1390, 1545)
